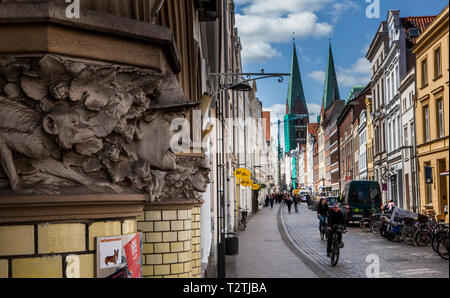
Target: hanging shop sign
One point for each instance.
(242, 173)
(119, 256)
(246, 182)
(255, 186)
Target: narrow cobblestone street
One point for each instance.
(279, 244)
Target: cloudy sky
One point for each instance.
(266, 30)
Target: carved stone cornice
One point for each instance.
(20, 209)
(28, 27)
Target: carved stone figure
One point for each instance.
(66, 123)
(188, 181)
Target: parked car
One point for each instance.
(361, 198)
(332, 200)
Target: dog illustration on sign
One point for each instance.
(112, 259)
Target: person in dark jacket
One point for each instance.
(335, 218)
(272, 199)
(296, 201)
(322, 211)
(288, 201)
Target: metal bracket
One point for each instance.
(250, 77)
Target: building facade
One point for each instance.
(432, 110)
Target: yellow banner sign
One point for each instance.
(246, 182)
(255, 186)
(242, 173)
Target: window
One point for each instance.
(405, 136)
(392, 85)
(440, 113)
(399, 130)
(426, 119)
(437, 62)
(388, 94)
(394, 136)
(424, 73)
(411, 129)
(389, 145)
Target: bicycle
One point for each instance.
(323, 229)
(425, 230)
(440, 232)
(336, 245)
(409, 229)
(442, 247)
(243, 220)
(366, 223)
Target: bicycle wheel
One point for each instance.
(442, 247)
(334, 253)
(365, 224)
(421, 237)
(408, 235)
(436, 238)
(375, 227)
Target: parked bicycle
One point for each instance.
(366, 223)
(442, 247)
(442, 231)
(425, 230)
(243, 220)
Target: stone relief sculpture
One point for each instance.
(67, 123)
(189, 181)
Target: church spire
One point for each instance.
(295, 101)
(331, 89)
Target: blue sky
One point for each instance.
(266, 27)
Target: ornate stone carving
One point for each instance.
(188, 181)
(66, 123)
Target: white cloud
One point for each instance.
(341, 7)
(265, 22)
(313, 109)
(358, 74)
(258, 52)
(279, 109)
(317, 75)
(254, 28)
(281, 7)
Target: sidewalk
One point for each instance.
(262, 252)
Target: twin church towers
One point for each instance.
(296, 119)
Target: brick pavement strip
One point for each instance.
(396, 259)
(263, 253)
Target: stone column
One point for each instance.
(78, 99)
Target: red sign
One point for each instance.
(133, 254)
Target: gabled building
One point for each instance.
(432, 112)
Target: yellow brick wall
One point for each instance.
(169, 237)
(43, 249)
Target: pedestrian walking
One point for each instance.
(289, 203)
(272, 199)
(296, 201)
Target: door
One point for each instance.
(443, 196)
(407, 192)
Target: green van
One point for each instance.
(361, 198)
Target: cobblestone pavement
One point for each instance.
(397, 259)
(263, 253)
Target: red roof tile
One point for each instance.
(420, 22)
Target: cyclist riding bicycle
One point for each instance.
(336, 218)
(322, 211)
